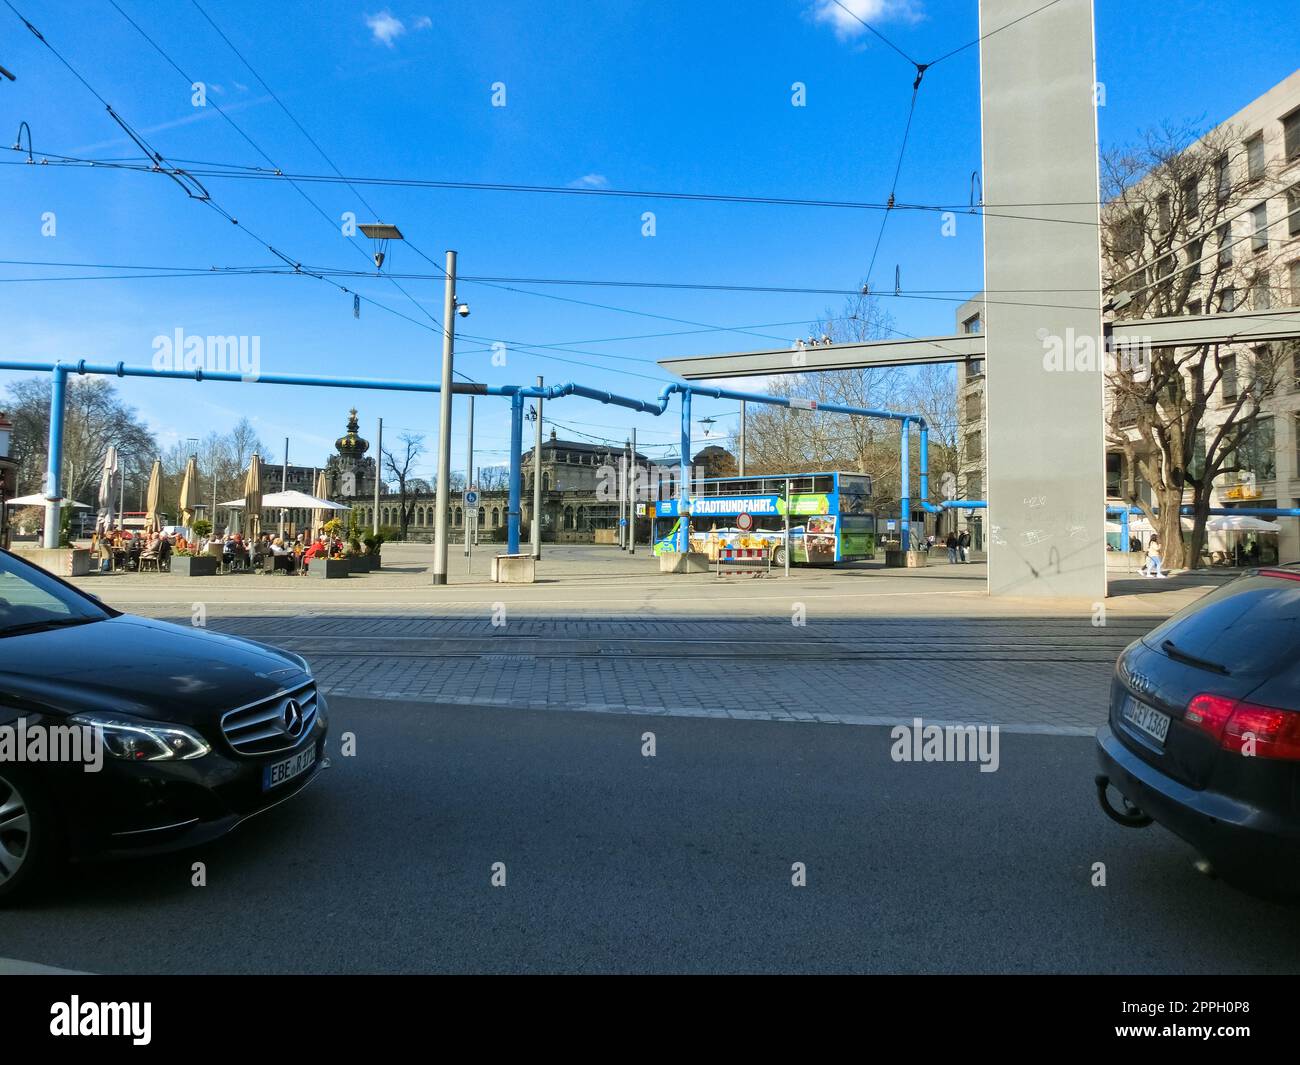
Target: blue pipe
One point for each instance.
(904, 503)
(962, 504)
(53, 470)
(516, 463)
(684, 478)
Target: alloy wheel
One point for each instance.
(15, 830)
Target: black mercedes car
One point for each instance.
(1204, 731)
(121, 735)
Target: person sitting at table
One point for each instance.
(165, 552)
(316, 550)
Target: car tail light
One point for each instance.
(1265, 731)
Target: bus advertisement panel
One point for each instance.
(830, 517)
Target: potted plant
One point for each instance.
(374, 546)
(187, 564)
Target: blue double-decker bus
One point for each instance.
(830, 517)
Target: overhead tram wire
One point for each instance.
(260, 151)
(237, 172)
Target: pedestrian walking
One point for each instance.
(951, 544)
(1151, 568)
(963, 545)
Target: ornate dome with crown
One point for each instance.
(350, 444)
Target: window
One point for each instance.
(1228, 299)
(974, 487)
(974, 447)
(971, 325)
(1194, 252)
(1223, 178)
(974, 368)
(1291, 135)
(1225, 245)
(1261, 293)
(1293, 211)
(496, 517)
(1193, 307)
(1128, 235)
(1259, 220)
(460, 516)
(1294, 270)
(1228, 380)
(973, 407)
(1255, 453)
(1196, 464)
(1255, 157)
(1114, 473)
(1295, 370)
(1191, 198)
(1164, 214)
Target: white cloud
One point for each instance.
(590, 181)
(847, 27)
(385, 27)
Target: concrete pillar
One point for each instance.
(1046, 446)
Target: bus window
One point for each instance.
(824, 482)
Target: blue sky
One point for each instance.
(663, 95)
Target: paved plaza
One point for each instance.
(605, 632)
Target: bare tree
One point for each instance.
(780, 440)
(400, 466)
(95, 418)
(1183, 232)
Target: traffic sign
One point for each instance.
(471, 497)
(744, 522)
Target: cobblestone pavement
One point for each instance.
(1027, 676)
(606, 633)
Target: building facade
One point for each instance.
(1233, 259)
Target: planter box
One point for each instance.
(328, 569)
(906, 559)
(194, 565)
(683, 562)
(61, 561)
(360, 564)
(514, 569)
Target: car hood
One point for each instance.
(139, 666)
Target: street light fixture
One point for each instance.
(380, 233)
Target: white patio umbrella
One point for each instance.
(109, 479)
(1114, 526)
(40, 501)
(1240, 523)
(292, 499)
(1142, 526)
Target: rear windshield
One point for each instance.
(1250, 626)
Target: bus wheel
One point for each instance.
(778, 557)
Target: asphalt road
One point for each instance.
(681, 862)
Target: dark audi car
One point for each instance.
(1204, 731)
(121, 735)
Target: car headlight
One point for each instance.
(133, 740)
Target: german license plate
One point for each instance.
(1146, 719)
(282, 772)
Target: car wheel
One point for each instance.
(28, 838)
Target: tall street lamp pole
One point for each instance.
(443, 497)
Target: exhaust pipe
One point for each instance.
(1129, 817)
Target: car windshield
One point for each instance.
(32, 600)
(1249, 627)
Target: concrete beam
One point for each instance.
(828, 357)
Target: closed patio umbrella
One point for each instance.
(153, 499)
(108, 487)
(318, 514)
(253, 498)
(189, 491)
